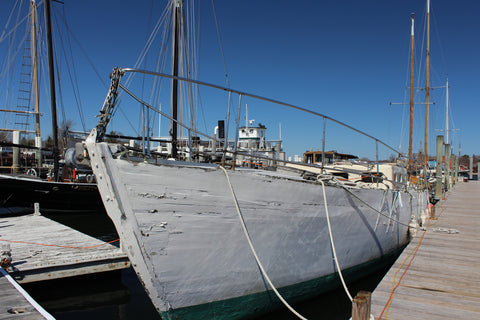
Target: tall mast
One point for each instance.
(33, 30)
(447, 141)
(48, 27)
(427, 86)
(410, 141)
(174, 100)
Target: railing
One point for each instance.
(235, 151)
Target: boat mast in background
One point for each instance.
(410, 139)
(48, 26)
(36, 92)
(427, 85)
(447, 141)
(174, 101)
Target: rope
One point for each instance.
(30, 300)
(379, 212)
(332, 242)
(220, 45)
(245, 231)
(60, 246)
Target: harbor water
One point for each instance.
(120, 295)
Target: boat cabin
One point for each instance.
(330, 157)
(252, 137)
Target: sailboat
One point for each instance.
(19, 191)
(213, 240)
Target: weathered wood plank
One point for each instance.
(13, 305)
(443, 280)
(44, 249)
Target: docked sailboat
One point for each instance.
(21, 189)
(217, 240)
(203, 239)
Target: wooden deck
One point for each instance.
(443, 279)
(43, 249)
(14, 305)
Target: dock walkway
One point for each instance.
(43, 249)
(16, 303)
(442, 278)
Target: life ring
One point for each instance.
(32, 172)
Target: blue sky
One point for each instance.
(344, 59)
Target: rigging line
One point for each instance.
(10, 63)
(439, 41)
(163, 114)
(74, 79)
(160, 63)
(247, 235)
(187, 48)
(59, 81)
(220, 44)
(10, 18)
(374, 209)
(150, 40)
(5, 35)
(139, 60)
(332, 243)
(280, 103)
(72, 35)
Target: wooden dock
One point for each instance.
(16, 303)
(442, 278)
(43, 249)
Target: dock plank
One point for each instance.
(14, 305)
(443, 280)
(36, 253)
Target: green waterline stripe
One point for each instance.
(262, 302)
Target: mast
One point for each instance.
(447, 141)
(174, 100)
(48, 26)
(410, 140)
(427, 85)
(38, 138)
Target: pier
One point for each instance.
(42, 249)
(438, 276)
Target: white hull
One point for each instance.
(179, 225)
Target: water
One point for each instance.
(119, 295)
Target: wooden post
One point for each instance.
(447, 166)
(438, 183)
(361, 306)
(16, 152)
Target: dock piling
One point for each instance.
(361, 306)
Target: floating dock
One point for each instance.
(42, 249)
(438, 275)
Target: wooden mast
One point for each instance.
(36, 91)
(174, 100)
(48, 26)
(410, 141)
(427, 86)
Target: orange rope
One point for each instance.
(257, 164)
(60, 246)
(414, 251)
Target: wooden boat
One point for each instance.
(211, 242)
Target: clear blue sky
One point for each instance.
(345, 59)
